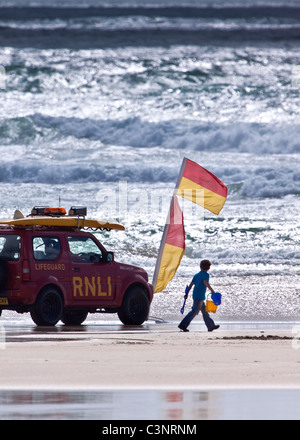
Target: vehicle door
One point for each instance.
(10, 266)
(92, 276)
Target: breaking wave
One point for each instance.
(261, 160)
(173, 135)
(260, 183)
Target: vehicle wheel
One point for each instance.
(135, 306)
(74, 317)
(48, 309)
(3, 274)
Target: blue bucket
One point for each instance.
(217, 298)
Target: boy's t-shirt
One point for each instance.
(200, 288)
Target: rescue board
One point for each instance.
(60, 222)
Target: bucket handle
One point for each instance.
(211, 299)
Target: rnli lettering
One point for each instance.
(49, 266)
(90, 287)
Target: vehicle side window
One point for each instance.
(46, 248)
(10, 247)
(84, 250)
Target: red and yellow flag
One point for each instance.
(171, 249)
(200, 186)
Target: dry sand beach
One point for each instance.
(106, 371)
(153, 358)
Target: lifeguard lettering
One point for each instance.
(49, 266)
(90, 287)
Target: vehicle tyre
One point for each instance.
(135, 306)
(3, 274)
(74, 317)
(48, 309)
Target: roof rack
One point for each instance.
(48, 217)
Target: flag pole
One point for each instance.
(180, 175)
(161, 247)
(166, 228)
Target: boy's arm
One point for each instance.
(190, 286)
(206, 283)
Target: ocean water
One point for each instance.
(101, 101)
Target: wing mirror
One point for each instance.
(110, 257)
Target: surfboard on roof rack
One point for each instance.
(56, 217)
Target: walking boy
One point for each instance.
(201, 282)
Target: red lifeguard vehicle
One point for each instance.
(53, 268)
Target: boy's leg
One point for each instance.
(207, 319)
(197, 305)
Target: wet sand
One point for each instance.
(155, 356)
(150, 404)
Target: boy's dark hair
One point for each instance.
(205, 265)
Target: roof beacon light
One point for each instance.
(55, 211)
(78, 210)
(46, 210)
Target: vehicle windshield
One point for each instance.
(10, 247)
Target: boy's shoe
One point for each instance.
(184, 329)
(215, 327)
